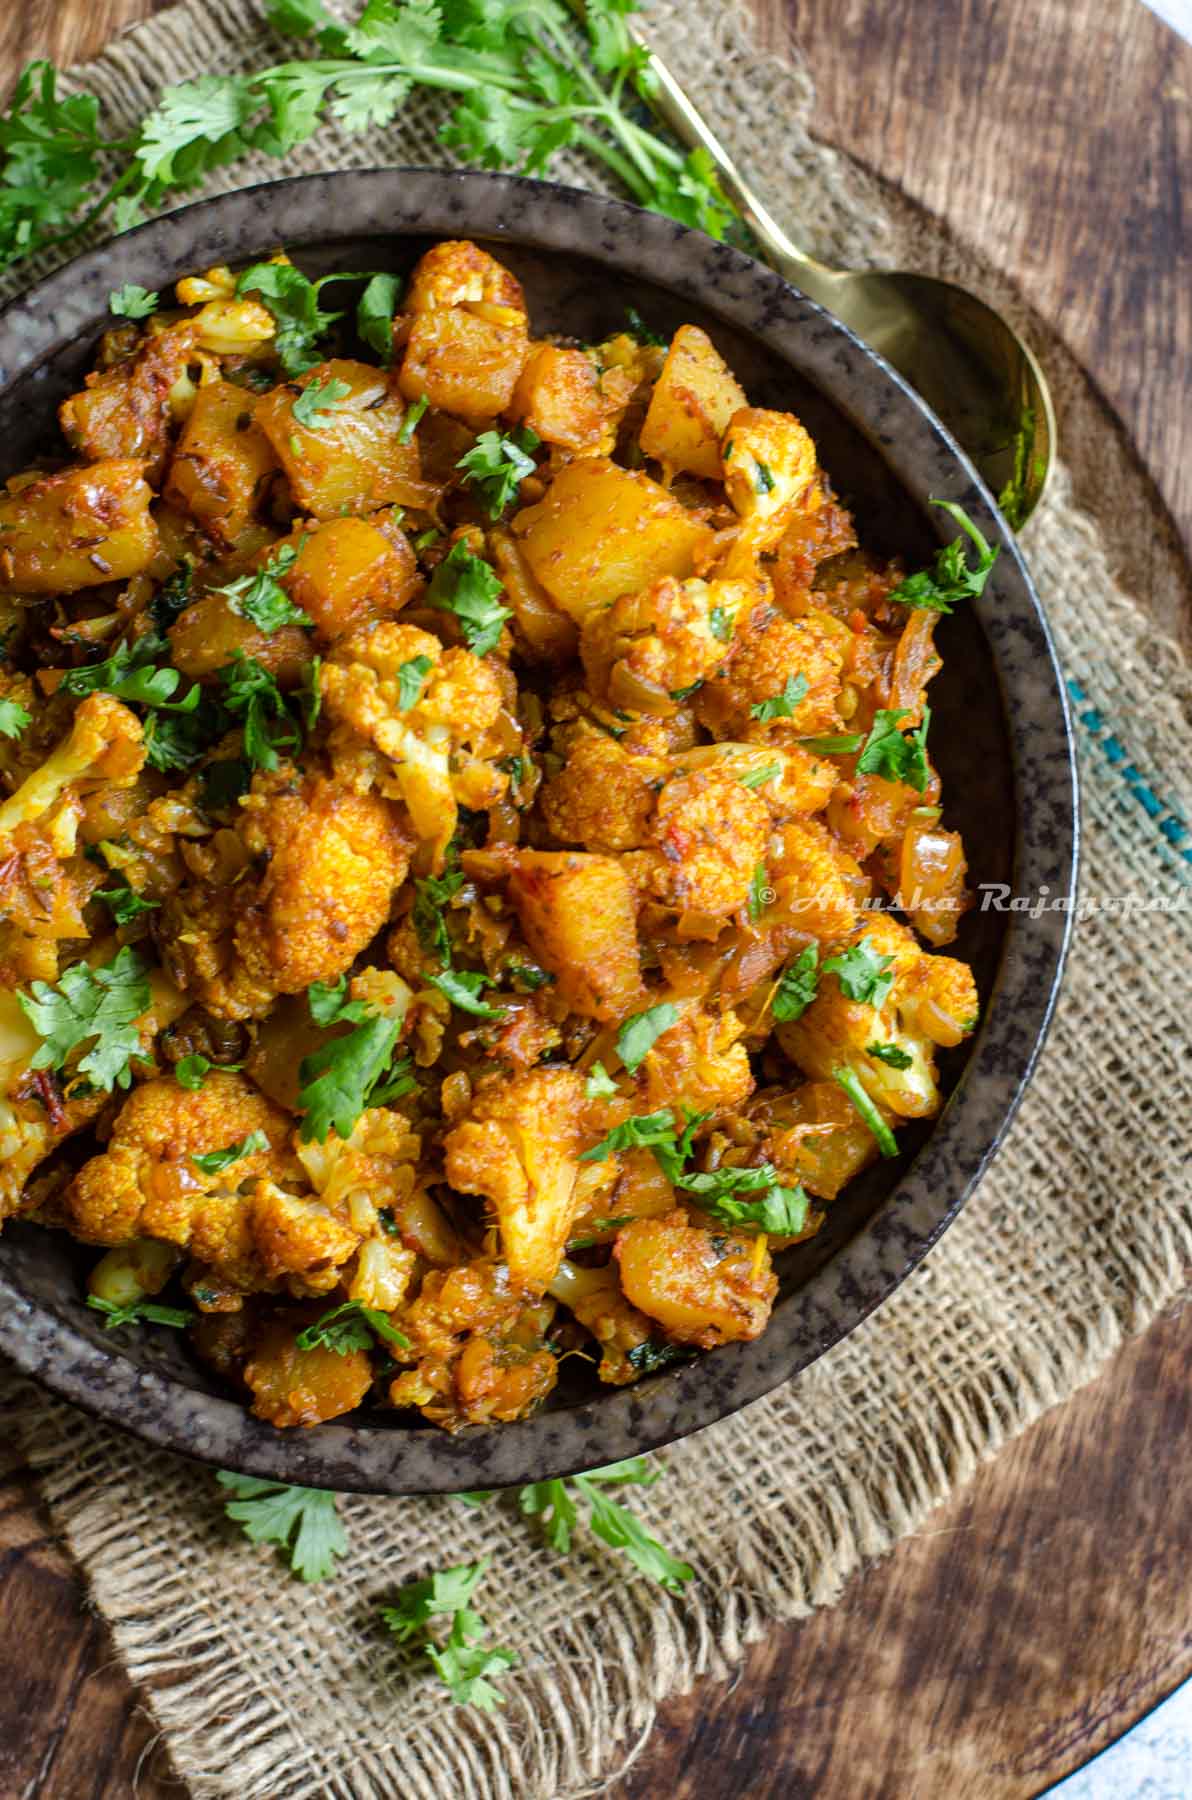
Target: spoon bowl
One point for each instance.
(972, 369)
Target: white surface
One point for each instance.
(1178, 14)
(1152, 1762)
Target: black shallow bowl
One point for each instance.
(1000, 735)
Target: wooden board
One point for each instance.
(1046, 1608)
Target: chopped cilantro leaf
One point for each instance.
(763, 479)
(758, 777)
(409, 426)
(124, 903)
(260, 596)
(497, 464)
(797, 987)
(319, 401)
(132, 302)
(374, 315)
(890, 1054)
(463, 988)
(338, 1080)
(465, 585)
(351, 1326)
(139, 1312)
(303, 1521)
(192, 1071)
(863, 973)
(411, 678)
(214, 1162)
(891, 754)
(99, 1007)
(13, 718)
(250, 691)
(782, 706)
(600, 1084)
(639, 1034)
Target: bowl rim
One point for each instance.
(550, 218)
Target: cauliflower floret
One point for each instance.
(105, 745)
(147, 1183)
(646, 651)
(479, 1347)
(602, 797)
(520, 1149)
(769, 464)
(702, 1287)
(711, 835)
(428, 712)
(789, 779)
(329, 861)
(369, 1178)
(460, 273)
(815, 885)
(291, 1386)
(813, 647)
(928, 1000)
(699, 1064)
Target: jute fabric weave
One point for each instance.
(1078, 1236)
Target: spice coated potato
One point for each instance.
(344, 452)
(437, 929)
(222, 462)
(78, 529)
(602, 531)
(694, 398)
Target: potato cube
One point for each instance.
(602, 531)
(559, 396)
(693, 400)
(701, 1288)
(348, 457)
(60, 533)
(464, 364)
(578, 915)
(126, 410)
(223, 461)
(347, 570)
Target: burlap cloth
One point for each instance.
(1078, 1236)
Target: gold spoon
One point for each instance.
(960, 355)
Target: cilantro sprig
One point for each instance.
(91, 1007)
(552, 1504)
(351, 1326)
(951, 578)
(139, 1312)
(782, 705)
(465, 585)
(260, 597)
(463, 1660)
(303, 1521)
(498, 463)
(319, 402)
(525, 92)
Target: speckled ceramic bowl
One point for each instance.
(1000, 735)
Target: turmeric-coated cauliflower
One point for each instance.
(519, 1147)
(318, 867)
(428, 713)
(647, 651)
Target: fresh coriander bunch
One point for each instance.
(527, 88)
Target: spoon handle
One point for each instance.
(676, 109)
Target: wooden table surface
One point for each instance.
(1047, 1607)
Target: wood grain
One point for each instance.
(1046, 1607)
